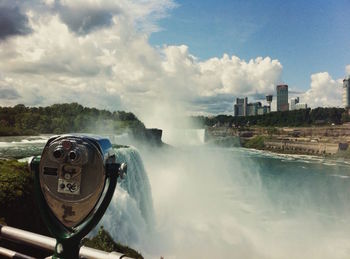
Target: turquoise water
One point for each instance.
(301, 182)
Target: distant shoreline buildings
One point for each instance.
(296, 105)
(243, 108)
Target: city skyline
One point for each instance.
(281, 103)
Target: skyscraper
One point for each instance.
(346, 93)
(269, 99)
(282, 98)
(240, 108)
(293, 102)
(252, 108)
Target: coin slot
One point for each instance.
(50, 171)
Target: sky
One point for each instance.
(161, 57)
(305, 36)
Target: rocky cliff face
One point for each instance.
(149, 136)
(332, 133)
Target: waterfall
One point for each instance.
(130, 215)
(136, 182)
(184, 137)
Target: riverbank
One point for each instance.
(325, 141)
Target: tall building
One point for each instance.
(243, 108)
(263, 110)
(252, 108)
(282, 98)
(300, 106)
(293, 102)
(269, 101)
(346, 92)
(240, 108)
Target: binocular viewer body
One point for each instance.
(72, 172)
(74, 180)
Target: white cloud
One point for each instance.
(55, 64)
(324, 91)
(113, 66)
(236, 76)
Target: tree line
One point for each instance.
(64, 118)
(295, 118)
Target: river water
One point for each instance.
(211, 202)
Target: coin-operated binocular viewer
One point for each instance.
(75, 179)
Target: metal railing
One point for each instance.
(46, 243)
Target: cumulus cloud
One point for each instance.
(12, 20)
(236, 76)
(55, 64)
(324, 91)
(103, 59)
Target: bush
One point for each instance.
(17, 204)
(104, 241)
(256, 142)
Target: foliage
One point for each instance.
(14, 179)
(17, 205)
(63, 118)
(103, 241)
(256, 142)
(295, 118)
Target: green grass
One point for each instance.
(256, 142)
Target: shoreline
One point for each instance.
(331, 159)
(327, 142)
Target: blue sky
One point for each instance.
(305, 36)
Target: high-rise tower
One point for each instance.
(293, 103)
(269, 101)
(240, 108)
(346, 93)
(282, 98)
